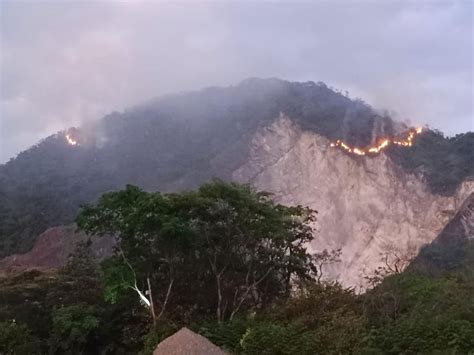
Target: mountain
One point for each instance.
(271, 133)
(453, 248)
(367, 206)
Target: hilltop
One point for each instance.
(176, 142)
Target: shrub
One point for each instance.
(16, 339)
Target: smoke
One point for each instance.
(68, 63)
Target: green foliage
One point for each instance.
(339, 336)
(269, 338)
(75, 294)
(406, 313)
(44, 187)
(413, 313)
(238, 272)
(227, 335)
(330, 315)
(16, 339)
(444, 162)
(72, 326)
(319, 319)
(315, 303)
(426, 336)
(230, 245)
(117, 279)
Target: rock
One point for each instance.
(186, 342)
(365, 204)
(52, 249)
(453, 248)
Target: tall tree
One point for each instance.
(151, 242)
(224, 237)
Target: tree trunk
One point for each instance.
(150, 297)
(219, 299)
(166, 299)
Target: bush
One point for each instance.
(429, 314)
(226, 335)
(17, 339)
(73, 328)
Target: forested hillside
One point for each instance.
(179, 141)
(220, 261)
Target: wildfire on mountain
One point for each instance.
(406, 141)
(70, 140)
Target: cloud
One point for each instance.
(66, 63)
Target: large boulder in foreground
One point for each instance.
(186, 342)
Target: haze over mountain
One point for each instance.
(272, 177)
(271, 133)
(67, 63)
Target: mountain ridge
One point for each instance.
(176, 142)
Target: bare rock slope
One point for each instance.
(366, 204)
(453, 248)
(52, 249)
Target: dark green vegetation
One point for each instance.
(65, 313)
(180, 141)
(219, 260)
(444, 162)
(215, 252)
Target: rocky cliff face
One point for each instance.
(453, 248)
(366, 205)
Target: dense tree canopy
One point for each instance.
(230, 245)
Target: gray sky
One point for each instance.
(68, 62)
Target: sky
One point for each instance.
(65, 63)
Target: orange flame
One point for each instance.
(382, 144)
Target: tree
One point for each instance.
(151, 240)
(325, 258)
(226, 237)
(318, 318)
(431, 314)
(72, 328)
(394, 261)
(252, 246)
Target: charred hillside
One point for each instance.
(179, 141)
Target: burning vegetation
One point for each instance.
(70, 140)
(405, 141)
